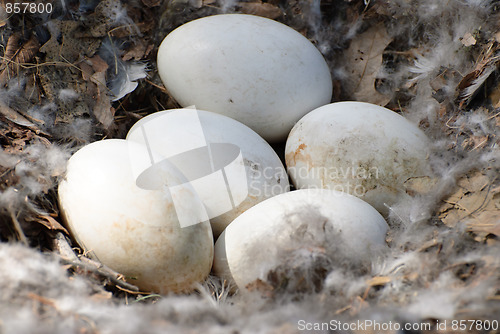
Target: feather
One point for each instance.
(125, 81)
(123, 75)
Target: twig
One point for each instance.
(163, 89)
(18, 228)
(69, 257)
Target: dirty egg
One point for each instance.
(359, 148)
(230, 167)
(258, 240)
(133, 230)
(253, 69)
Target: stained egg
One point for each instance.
(133, 230)
(260, 239)
(253, 69)
(229, 165)
(359, 148)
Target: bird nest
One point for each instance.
(87, 71)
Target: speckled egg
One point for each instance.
(359, 148)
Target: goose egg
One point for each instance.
(229, 165)
(261, 238)
(132, 230)
(253, 69)
(359, 148)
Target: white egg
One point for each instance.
(229, 165)
(253, 69)
(256, 242)
(359, 148)
(133, 231)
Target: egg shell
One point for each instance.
(131, 230)
(175, 132)
(253, 69)
(359, 148)
(251, 245)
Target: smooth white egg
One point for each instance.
(253, 69)
(359, 148)
(229, 165)
(256, 242)
(133, 231)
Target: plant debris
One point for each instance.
(87, 71)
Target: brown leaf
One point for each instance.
(420, 185)
(260, 9)
(17, 55)
(94, 71)
(260, 286)
(102, 109)
(452, 217)
(474, 80)
(468, 39)
(488, 222)
(475, 182)
(11, 49)
(16, 139)
(98, 64)
(137, 52)
(49, 223)
(87, 71)
(495, 97)
(27, 51)
(151, 3)
(475, 202)
(365, 61)
(475, 142)
(14, 116)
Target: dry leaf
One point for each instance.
(68, 42)
(14, 116)
(200, 3)
(260, 286)
(475, 182)
(98, 64)
(87, 71)
(474, 80)
(139, 51)
(468, 39)
(365, 60)
(11, 49)
(94, 71)
(17, 55)
(49, 223)
(420, 185)
(151, 3)
(474, 201)
(452, 217)
(495, 97)
(470, 84)
(488, 222)
(260, 9)
(102, 109)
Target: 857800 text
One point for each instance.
(28, 8)
(471, 325)
(467, 325)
